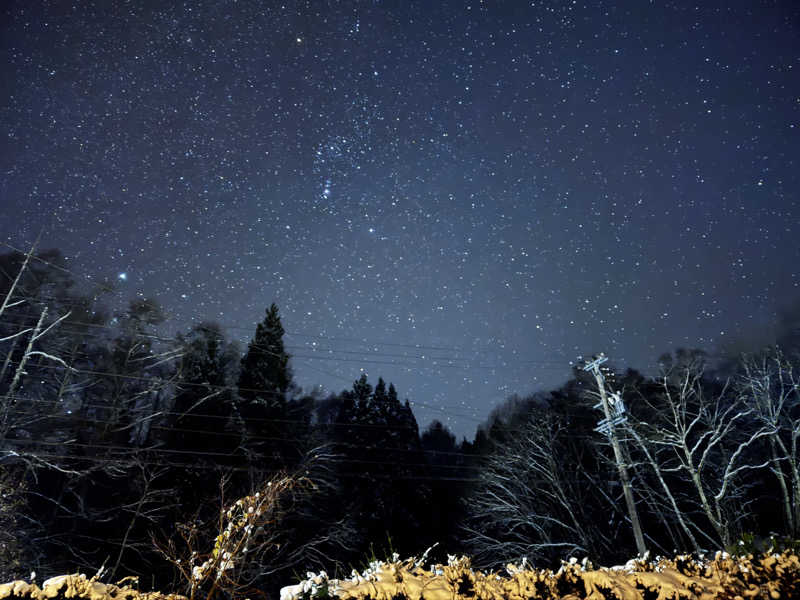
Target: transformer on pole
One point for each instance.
(614, 414)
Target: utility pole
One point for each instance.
(614, 415)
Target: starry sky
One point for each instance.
(463, 197)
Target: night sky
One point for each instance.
(463, 197)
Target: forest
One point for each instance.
(120, 448)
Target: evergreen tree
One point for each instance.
(266, 377)
(362, 395)
(438, 442)
(450, 472)
(264, 384)
(199, 433)
(202, 409)
(382, 466)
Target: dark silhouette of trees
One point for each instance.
(202, 413)
(376, 438)
(452, 472)
(113, 433)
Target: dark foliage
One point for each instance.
(112, 435)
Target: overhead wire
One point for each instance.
(197, 453)
(448, 361)
(222, 417)
(465, 364)
(288, 332)
(557, 363)
(250, 436)
(206, 467)
(339, 359)
(327, 425)
(445, 409)
(129, 451)
(165, 382)
(553, 364)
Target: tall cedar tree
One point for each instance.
(264, 382)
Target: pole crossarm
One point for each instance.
(614, 413)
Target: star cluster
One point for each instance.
(462, 197)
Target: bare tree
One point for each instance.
(154, 500)
(36, 334)
(705, 437)
(668, 505)
(769, 385)
(7, 301)
(530, 499)
(18, 462)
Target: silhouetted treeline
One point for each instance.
(112, 435)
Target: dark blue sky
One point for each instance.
(462, 197)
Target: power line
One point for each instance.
(334, 354)
(205, 467)
(539, 364)
(359, 356)
(291, 333)
(328, 425)
(209, 416)
(557, 363)
(206, 386)
(330, 358)
(218, 433)
(127, 450)
(130, 453)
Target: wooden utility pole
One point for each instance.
(607, 426)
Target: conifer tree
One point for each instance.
(265, 380)
(203, 400)
(266, 377)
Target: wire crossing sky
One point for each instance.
(462, 197)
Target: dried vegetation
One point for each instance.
(77, 586)
(722, 578)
